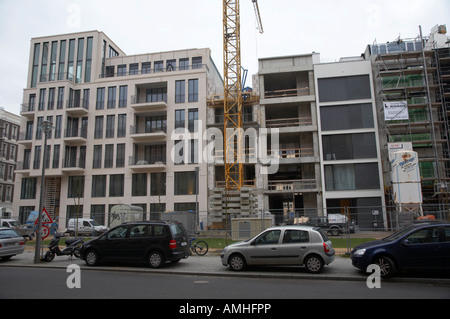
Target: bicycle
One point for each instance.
(199, 247)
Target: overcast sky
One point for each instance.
(333, 28)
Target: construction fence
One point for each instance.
(348, 225)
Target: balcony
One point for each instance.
(25, 138)
(27, 110)
(139, 164)
(144, 135)
(73, 165)
(75, 137)
(292, 186)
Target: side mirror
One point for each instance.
(405, 242)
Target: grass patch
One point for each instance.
(342, 242)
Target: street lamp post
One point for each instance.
(46, 127)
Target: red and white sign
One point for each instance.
(45, 219)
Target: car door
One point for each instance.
(140, 239)
(293, 247)
(421, 249)
(446, 246)
(114, 247)
(263, 250)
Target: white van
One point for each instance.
(86, 226)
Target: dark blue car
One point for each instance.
(419, 246)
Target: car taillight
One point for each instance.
(172, 244)
(326, 249)
(22, 243)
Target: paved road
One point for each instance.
(48, 283)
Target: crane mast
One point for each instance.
(233, 146)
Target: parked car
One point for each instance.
(22, 230)
(286, 245)
(333, 224)
(86, 226)
(150, 242)
(420, 246)
(11, 243)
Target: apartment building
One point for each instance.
(350, 156)
(126, 128)
(9, 133)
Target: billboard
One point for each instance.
(394, 111)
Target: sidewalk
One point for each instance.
(210, 265)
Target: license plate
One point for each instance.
(9, 244)
(184, 244)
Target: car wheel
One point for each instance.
(314, 264)
(156, 259)
(237, 262)
(92, 258)
(387, 266)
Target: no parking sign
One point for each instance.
(46, 220)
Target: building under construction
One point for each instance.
(412, 86)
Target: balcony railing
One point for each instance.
(293, 185)
(292, 152)
(300, 121)
(287, 93)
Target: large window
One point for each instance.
(28, 189)
(139, 185)
(185, 183)
(345, 117)
(116, 185)
(99, 186)
(158, 184)
(344, 88)
(75, 187)
(180, 87)
(351, 177)
(349, 146)
(193, 90)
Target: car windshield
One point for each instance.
(94, 223)
(8, 233)
(399, 233)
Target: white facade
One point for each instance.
(114, 119)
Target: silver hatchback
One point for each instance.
(286, 245)
(11, 243)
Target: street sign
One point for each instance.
(45, 218)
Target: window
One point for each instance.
(351, 177)
(197, 62)
(120, 155)
(52, 71)
(76, 187)
(87, 74)
(51, 99)
(349, 146)
(184, 64)
(98, 185)
(158, 184)
(41, 104)
(344, 117)
(424, 236)
(123, 95)
(171, 65)
(56, 155)
(44, 62)
(62, 59)
(193, 120)
(79, 60)
(60, 103)
(295, 236)
(193, 90)
(159, 66)
(98, 213)
(109, 155)
(269, 238)
(118, 233)
(344, 88)
(156, 124)
(100, 99)
(139, 185)
(122, 125)
(71, 57)
(121, 70)
(37, 157)
(110, 123)
(146, 67)
(34, 72)
(180, 91)
(179, 119)
(112, 97)
(116, 185)
(97, 161)
(98, 130)
(134, 68)
(193, 152)
(185, 183)
(28, 189)
(110, 71)
(156, 95)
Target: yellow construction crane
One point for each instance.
(233, 132)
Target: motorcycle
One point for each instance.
(72, 248)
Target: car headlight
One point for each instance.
(359, 252)
(225, 249)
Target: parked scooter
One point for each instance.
(72, 248)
